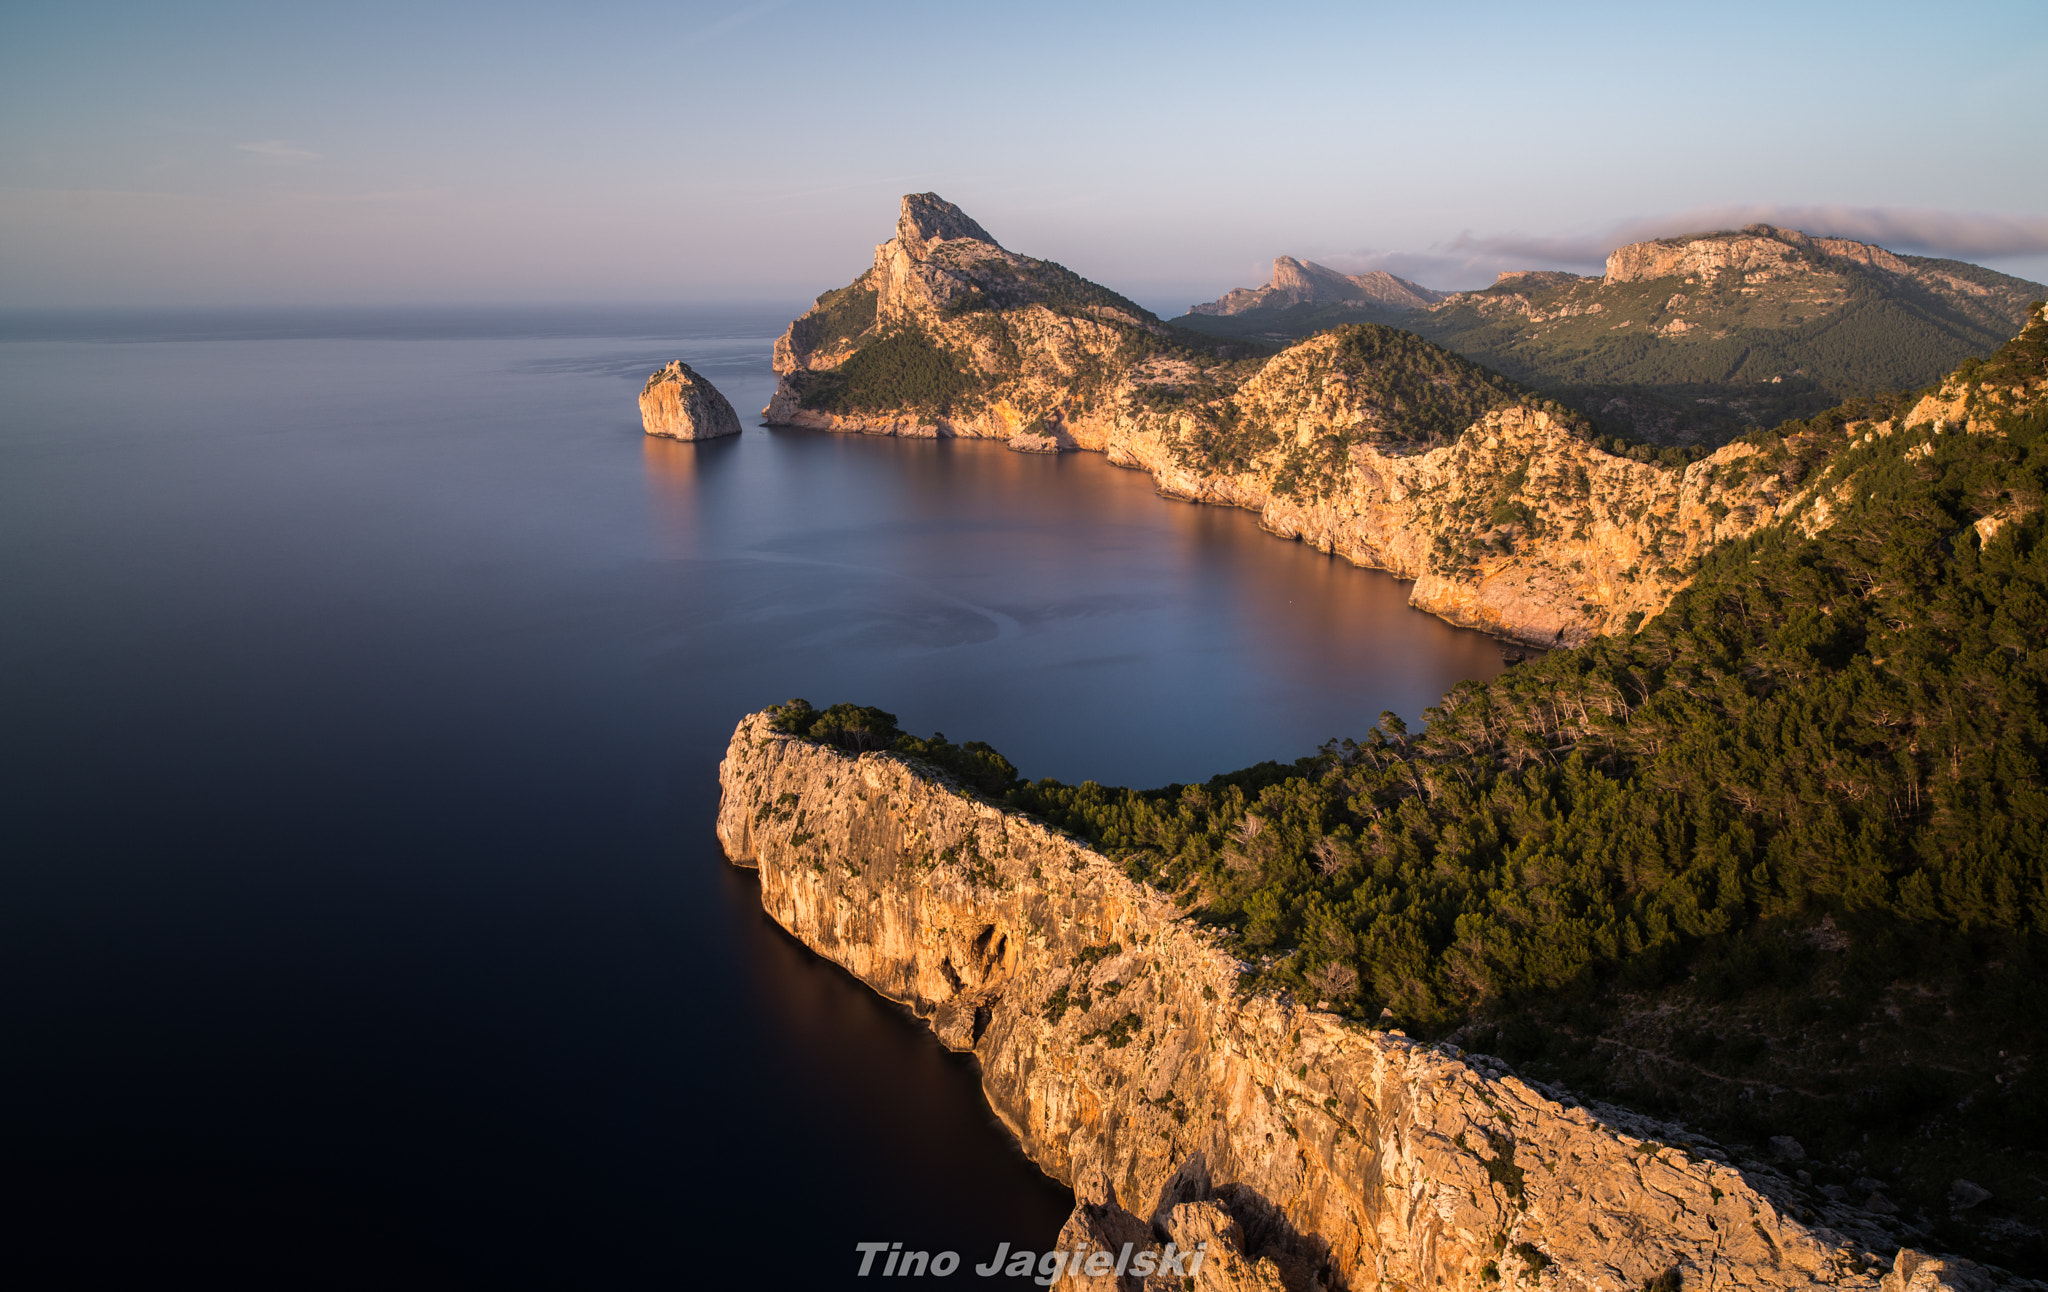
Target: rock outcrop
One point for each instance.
(1116, 1042)
(1304, 282)
(1516, 523)
(1758, 253)
(679, 403)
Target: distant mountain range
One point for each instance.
(1303, 282)
(1682, 340)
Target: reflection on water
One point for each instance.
(1054, 606)
(364, 693)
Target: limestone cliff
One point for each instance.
(1385, 451)
(679, 403)
(1518, 525)
(1116, 1042)
(1759, 253)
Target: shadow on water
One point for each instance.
(866, 1082)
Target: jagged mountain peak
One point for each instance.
(1304, 282)
(927, 218)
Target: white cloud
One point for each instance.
(277, 152)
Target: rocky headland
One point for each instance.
(1501, 505)
(679, 403)
(1122, 1046)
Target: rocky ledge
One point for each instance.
(679, 403)
(1307, 1150)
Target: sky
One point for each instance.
(371, 154)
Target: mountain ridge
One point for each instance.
(1303, 282)
(1698, 338)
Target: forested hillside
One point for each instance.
(1777, 863)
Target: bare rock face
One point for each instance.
(1587, 543)
(1919, 1272)
(1305, 1150)
(678, 402)
(1758, 253)
(927, 218)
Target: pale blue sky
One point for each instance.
(371, 153)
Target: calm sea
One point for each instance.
(363, 680)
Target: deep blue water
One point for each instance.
(363, 679)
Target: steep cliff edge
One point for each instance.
(1115, 1040)
(1363, 441)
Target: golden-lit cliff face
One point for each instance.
(1115, 1041)
(1518, 524)
(679, 403)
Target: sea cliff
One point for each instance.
(1116, 1041)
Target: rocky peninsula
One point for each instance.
(1119, 1043)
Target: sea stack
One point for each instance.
(678, 402)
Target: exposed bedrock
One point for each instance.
(679, 403)
(1116, 1043)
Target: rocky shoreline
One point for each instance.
(1116, 1041)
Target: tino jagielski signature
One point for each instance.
(1044, 1268)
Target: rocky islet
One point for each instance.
(680, 404)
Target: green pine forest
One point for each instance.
(1776, 863)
